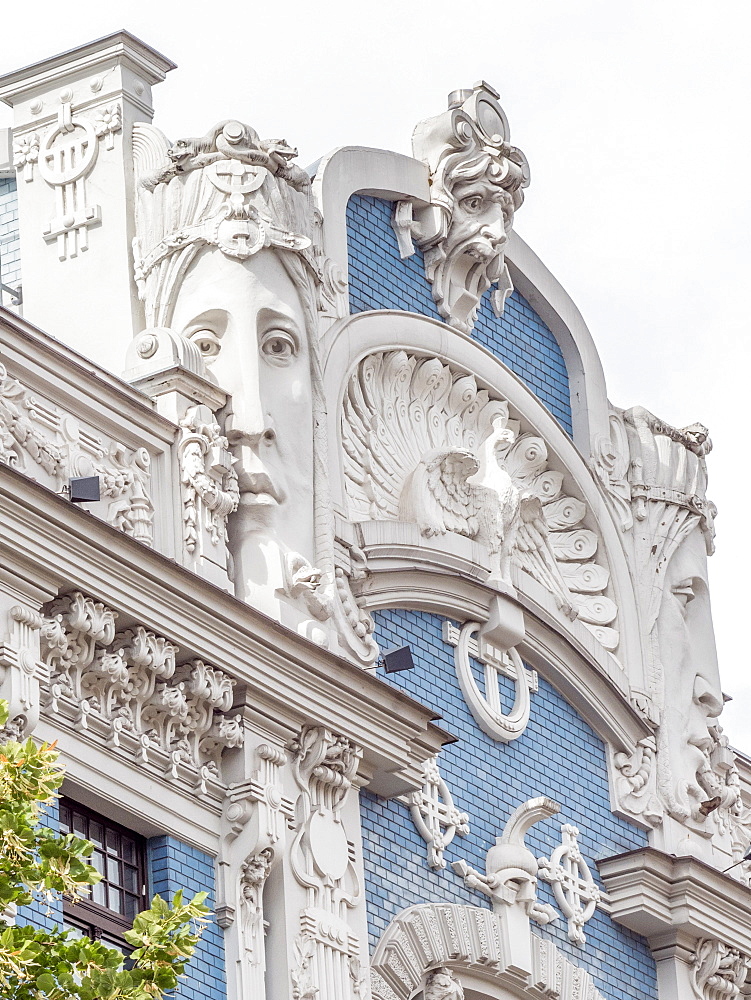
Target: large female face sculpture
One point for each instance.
(691, 684)
(248, 321)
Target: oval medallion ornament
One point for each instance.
(328, 842)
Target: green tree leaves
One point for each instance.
(36, 863)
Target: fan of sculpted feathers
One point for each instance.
(424, 443)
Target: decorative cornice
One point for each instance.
(661, 896)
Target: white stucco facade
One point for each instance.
(316, 436)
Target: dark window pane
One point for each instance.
(129, 852)
(113, 842)
(96, 834)
(79, 825)
(131, 907)
(64, 819)
(130, 879)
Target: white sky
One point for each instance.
(634, 117)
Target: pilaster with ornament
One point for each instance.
(65, 155)
(325, 766)
(209, 486)
(21, 671)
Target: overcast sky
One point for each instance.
(634, 117)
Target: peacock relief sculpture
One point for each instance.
(424, 443)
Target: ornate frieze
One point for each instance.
(327, 948)
(127, 689)
(434, 814)
(424, 443)
(49, 445)
(576, 892)
(477, 182)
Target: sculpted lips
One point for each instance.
(256, 488)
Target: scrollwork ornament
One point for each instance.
(718, 972)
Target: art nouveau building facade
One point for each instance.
(333, 413)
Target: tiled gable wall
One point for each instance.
(558, 755)
(379, 279)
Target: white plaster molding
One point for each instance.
(473, 945)
(49, 444)
(486, 705)
(210, 491)
(127, 690)
(576, 892)
(423, 442)
(328, 949)
(476, 183)
(21, 671)
(719, 972)
(434, 814)
(635, 782)
(253, 874)
(510, 878)
(350, 170)
(694, 918)
(349, 341)
(586, 377)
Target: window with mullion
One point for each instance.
(119, 856)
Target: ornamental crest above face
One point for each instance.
(476, 182)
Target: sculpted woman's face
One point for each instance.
(247, 320)
(692, 693)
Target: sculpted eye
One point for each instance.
(207, 343)
(472, 204)
(278, 346)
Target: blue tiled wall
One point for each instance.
(42, 913)
(10, 247)
(558, 755)
(379, 279)
(172, 866)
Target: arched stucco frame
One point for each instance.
(382, 173)
(475, 944)
(350, 340)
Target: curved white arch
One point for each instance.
(382, 173)
(349, 340)
(475, 945)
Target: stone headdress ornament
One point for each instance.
(477, 181)
(667, 478)
(227, 189)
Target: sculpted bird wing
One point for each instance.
(534, 554)
(437, 495)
